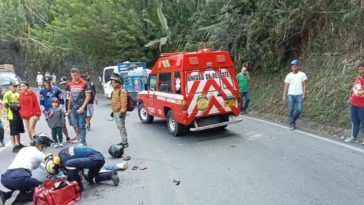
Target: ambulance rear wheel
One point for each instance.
(143, 115)
(175, 128)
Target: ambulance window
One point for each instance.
(165, 82)
(177, 82)
(152, 82)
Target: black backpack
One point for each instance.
(131, 103)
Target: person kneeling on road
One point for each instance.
(18, 176)
(75, 159)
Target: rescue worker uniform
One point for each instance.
(75, 159)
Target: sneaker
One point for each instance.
(56, 145)
(4, 197)
(32, 143)
(61, 145)
(21, 145)
(350, 139)
(23, 197)
(74, 141)
(114, 177)
(124, 144)
(16, 148)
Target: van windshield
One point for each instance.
(107, 74)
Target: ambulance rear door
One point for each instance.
(209, 92)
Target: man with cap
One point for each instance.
(90, 106)
(119, 100)
(357, 105)
(46, 94)
(295, 91)
(11, 103)
(18, 176)
(76, 159)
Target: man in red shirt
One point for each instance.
(80, 96)
(357, 104)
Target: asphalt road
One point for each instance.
(253, 162)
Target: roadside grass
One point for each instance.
(328, 91)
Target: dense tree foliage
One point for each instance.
(91, 33)
(265, 35)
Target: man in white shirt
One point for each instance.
(295, 90)
(18, 176)
(39, 80)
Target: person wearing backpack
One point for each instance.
(119, 101)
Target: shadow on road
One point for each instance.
(204, 135)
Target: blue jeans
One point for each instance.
(357, 119)
(295, 105)
(79, 120)
(74, 166)
(245, 99)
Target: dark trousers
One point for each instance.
(357, 119)
(74, 166)
(19, 179)
(57, 134)
(245, 99)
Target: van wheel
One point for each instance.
(143, 115)
(175, 128)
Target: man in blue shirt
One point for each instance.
(46, 94)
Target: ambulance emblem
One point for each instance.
(202, 103)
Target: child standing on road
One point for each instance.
(56, 122)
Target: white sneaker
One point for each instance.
(55, 145)
(60, 144)
(350, 139)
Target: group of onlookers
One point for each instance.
(75, 100)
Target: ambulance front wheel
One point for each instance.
(143, 115)
(175, 128)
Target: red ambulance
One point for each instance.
(192, 91)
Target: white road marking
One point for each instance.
(342, 144)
